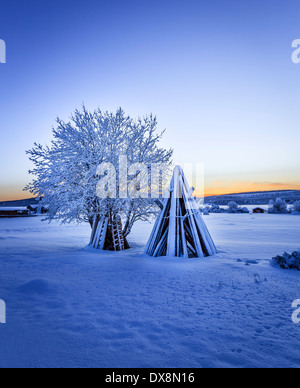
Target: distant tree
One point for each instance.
(245, 210)
(65, 173)
(296, 206)
(278, 207)
(216, 209)
(205, 210)
(233, 207)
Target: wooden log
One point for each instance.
(157, 230)
(103, 234)
(183, 236)
(171, 248)
(93, 230)
(161, 244)
(194, 230)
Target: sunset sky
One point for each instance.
(218, 75)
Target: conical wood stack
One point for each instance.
(180, 230)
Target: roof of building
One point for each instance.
(13, 209)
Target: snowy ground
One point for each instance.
(70, 306)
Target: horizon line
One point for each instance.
(205, 195)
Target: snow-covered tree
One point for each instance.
(296, 206)
(216, 209)
(205, 210)
(233, 207)
(278, 207)
(244, 210)
(66, 174)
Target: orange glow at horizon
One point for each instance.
(14, 196)
(13, 193)
(222, 188)
(212, 189)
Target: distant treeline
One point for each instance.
(255, 198)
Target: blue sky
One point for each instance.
(218, 74)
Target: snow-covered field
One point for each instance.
(71, 306)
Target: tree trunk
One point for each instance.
(127, 223)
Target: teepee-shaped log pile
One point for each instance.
(107, 234)
(180, 230)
